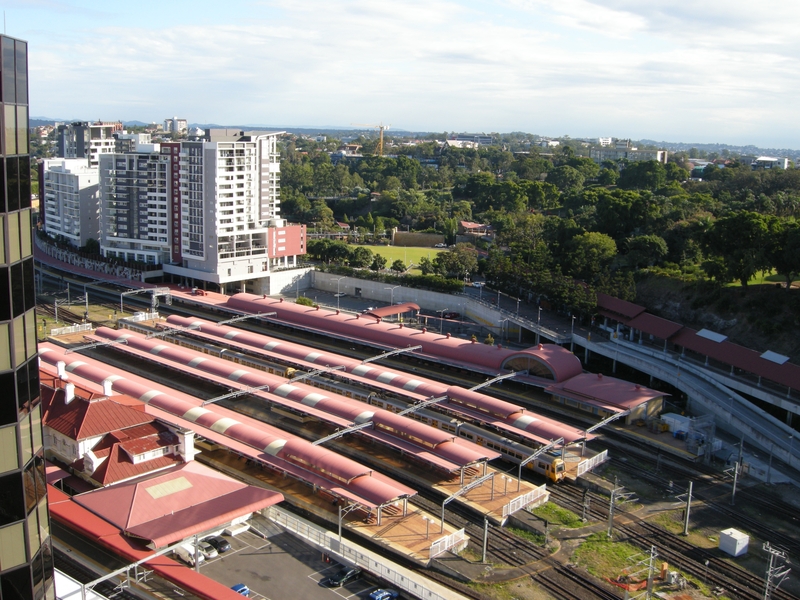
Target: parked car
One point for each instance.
(207, 550)
(187, 554)
(242, 589)
(220, 543)
(382, 594)
(440, 246)
(478, 284)
(339, 295)
(451, 315)
(342, 576)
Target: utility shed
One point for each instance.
(733, 542)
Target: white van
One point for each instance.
(186, 553)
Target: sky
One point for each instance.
(704, 71)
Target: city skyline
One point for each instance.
(554, 68)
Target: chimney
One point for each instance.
(69, 393)
(108, 387)
(61, 368)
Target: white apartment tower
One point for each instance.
(70, 200)
(176, 125)
(229, 207)
(86, 140)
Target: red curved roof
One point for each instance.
(279, 447)
(393, 335)
(541, 428)
(353, 411)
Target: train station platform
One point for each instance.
(402, 534)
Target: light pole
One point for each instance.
(538, 325)
(517, 306)
(572, 335)
(391, 293)
(338, 293)
(427, 525)
(441, 319)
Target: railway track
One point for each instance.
(517, 552)
(570, 585)
(736, 582)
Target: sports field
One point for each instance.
(406, 254)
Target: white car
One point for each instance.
(478, 284)
(207, 550)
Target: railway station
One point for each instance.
(415, 533)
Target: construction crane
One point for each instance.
(382, 127)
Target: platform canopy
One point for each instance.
(394, 309)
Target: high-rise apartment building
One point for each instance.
(207, 210)
(69, 199)
(26, 557)
(134, 217)
(176, 125)
(231, 231)
(86, 140)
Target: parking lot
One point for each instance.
(281, 567)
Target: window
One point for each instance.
(9, 458)
(12, 552)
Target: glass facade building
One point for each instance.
(26, 557)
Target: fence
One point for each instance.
(590, 463)
(539, 495)
(71, 329)
(457, 539)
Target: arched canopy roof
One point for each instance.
(549, 360)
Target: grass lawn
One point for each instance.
(406, 254)
(760, 278)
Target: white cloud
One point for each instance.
(551, 66)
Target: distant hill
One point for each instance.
(337, 130)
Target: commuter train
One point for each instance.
(549, 464)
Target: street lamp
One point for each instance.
(441, 319)
(572, 335)
(517, 306)
(538, 325)
(391, 293)
(428, 521)
(338, 293)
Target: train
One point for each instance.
(549, 464)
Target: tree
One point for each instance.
(783, 250)
(360, 257)
(566, 178)
(92, 246)
(457, 262)
(740, 241)
(378, 263)
(586, 166)
(645, 251)
(608, 177)
(590, 254)
(398, 266)
(643, 175)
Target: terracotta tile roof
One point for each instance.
(607, 391)
(171, 505)
(118, 466)
(787, 374)
(656, 326)
(621, 310)
(82, 419)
